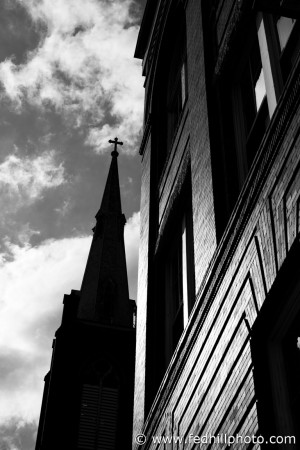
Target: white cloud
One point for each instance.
(26, 234)
(32, 286)
(84, 67)
(31, 291)
(30, 176)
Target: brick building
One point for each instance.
(88, 394)
(219, 276)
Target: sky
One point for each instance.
(68, 84)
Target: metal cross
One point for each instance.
(116, 142)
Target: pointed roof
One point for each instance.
(104, 291)
(111, 200)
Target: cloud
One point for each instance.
(28, 177)
(64, 209)
(17, 435)
(83, 67)
(32, 286)
(26, 233)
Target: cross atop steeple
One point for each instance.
(104, 291)
(116, 142)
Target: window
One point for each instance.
(284, 28)
(271, 52)
(276, 356)
(176, 88)
(279, 42)
(253, 94)
(251, 115)
(176, 286)
(171, 90)
(291, 358)
(178, 272)
(277, 379)
(288, 34)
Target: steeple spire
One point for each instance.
(104, 292)
(90, 385)
(111, 200)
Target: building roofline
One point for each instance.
(145, 29)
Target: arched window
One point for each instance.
(98, 421)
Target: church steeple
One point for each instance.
(104, 292)
(111, 200)
(88, 394)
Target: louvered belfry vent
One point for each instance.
(88, 422)
(108, 418)
(99, 410)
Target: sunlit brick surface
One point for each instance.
(209, 384)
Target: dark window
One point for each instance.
(250, 108)
(178, 270)
(280, 43)
(171, 88)
(291, 356)
(243, 98)
(258, 83)
(176, 88)
(276, 356)
(277, 379)
(174, 273)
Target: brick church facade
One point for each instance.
(219, 276)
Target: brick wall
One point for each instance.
(203, 203)
(209, 386)
(139, 397)
(191, 142)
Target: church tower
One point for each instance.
(88, 394)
